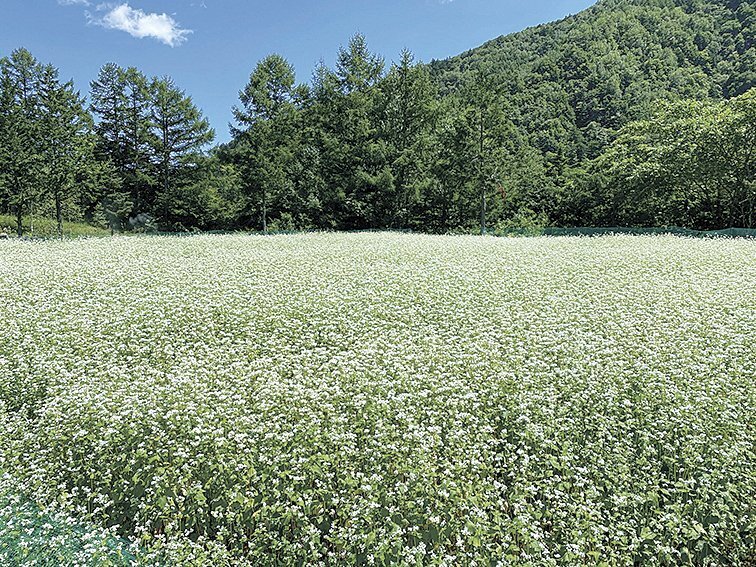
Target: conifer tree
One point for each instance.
(179, 133)
(67, 144)
(20, 135)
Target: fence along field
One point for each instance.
(380, 399)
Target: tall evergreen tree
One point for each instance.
(121, 100)
(110, 105)
(20, 135)
(267, 133)
(67, 144)
(180, 132)
(408, 111)
(139, 174)
(344, 108)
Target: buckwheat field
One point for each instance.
(382, 399)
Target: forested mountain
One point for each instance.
(571, 84)
(633, 112)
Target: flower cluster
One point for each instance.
(382, 399)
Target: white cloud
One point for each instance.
(74, 2)
(138, 23)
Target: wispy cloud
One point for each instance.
(140, 24)
(135, 22)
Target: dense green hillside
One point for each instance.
(571, 84)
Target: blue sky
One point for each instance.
(210, 46)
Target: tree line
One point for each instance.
(128, 158)
(364, 145)
(367, 147)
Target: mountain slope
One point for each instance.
(571, 84)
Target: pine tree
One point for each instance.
(65, 128)
(121, 100)
(139, 175)
(109, 104)
(179, 132)
(20, 161)
(408, 111)
(347, 118)
(267, 133)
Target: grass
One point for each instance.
(386, 399)
(48, 228)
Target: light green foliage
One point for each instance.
(576, 81)
(393, 399)
(570, 87)
(692, 164)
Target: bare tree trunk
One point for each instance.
(59, 214)
(265, 211)
(19, 221)
(483, 210)
(482, 181)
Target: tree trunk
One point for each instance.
(59, 214)
(166, 186)
(19, 221)
(482, 180)
(483, 210)
(265, 211)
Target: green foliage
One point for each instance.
(208, 199)
(120, 98)
(570, 86)
(67, 146)
(20, 135)
(574, 82)
(692, 164)
(524, 223)
(526, 124)
(32, 536)
(518, 130)
(180, 131)
(142, 158)
(267, 139)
